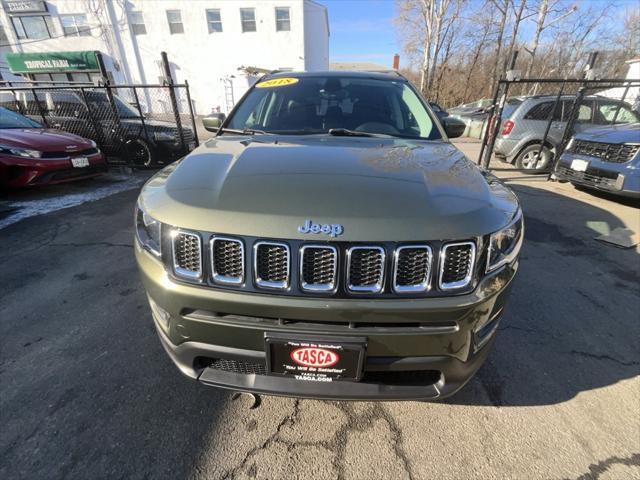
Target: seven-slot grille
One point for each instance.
(609, 152)
(187, 255)
(456, 265)
(318, 268)
(227, 260)
(365, 269)
(271, 265)
(412, 269)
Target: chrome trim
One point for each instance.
(376, 288)
(266, 283)
(181, 272)
(225, 280)
(466, 280)
(319, 287)
(421, 287)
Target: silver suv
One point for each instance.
(522, 130)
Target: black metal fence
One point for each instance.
(134, 125)
(532, 120)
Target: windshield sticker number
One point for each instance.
(277, 82)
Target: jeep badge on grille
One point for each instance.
(332, 229)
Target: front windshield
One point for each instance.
(318, 104)
(9, 119)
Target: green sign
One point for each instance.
(53, 62)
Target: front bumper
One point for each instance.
(610, 177)
(27, 172)
(416, 348)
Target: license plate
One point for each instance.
(579, 165)
(192, 146)
(316, 359)
(80, 162)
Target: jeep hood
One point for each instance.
(377, 189)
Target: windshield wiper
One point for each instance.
(244, 131)
(344, 132)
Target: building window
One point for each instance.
(4, 40)
(34, 27)
(136, 20)
(214, 21)
(283, 23)
(248, 18)
(174, 17)
(75, 25)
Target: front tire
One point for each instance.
(528, 159)
(139, 152)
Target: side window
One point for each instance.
(542, 111)
(607, 112)
(585, 114)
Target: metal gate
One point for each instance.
(532, 120)
(134, 125)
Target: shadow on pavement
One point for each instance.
(571, 324)
(87, 390)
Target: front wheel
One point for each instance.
(528, 158)
(139, 152)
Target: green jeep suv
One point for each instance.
(328, 242)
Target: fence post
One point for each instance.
(99, 136)
(17, 102)
(172, 95)
(116, 117)
(552, 114)
(40, 109)
(624, 95)
(144, 125)
(193, 118)
(495, 119)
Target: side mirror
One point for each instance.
(213, 122)
(454, 127)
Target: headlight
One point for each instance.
(93, 144)
(148, 232)
(20, 152)
(505, 244)
(165, 136)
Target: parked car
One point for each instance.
(31, 155)
(118, 127)
(477, 119)
(472, 108)
(330, 243)
(522, 130)
(606, 159)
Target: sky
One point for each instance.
(362, 31)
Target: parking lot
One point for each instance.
(88, 392)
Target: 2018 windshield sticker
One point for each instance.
(277, 82)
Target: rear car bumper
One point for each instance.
(415, 348)
(610, 177)
(26, 172)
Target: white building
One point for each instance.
(631, 92)
(218, 46)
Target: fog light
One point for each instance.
(484, 332)
(160, 314)
(620, 181)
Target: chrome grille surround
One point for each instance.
(187, 254)
(274, 257)
(400, 268)
(328, 265)
(373, 266)
(447, 261)
(228, 261)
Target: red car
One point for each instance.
(31, 155)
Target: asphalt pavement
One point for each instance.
(87, 391)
